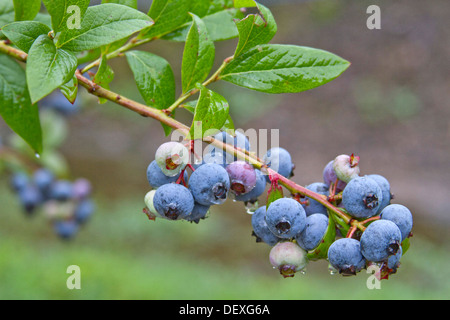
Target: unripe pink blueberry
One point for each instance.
(288, 258)
(346, 167)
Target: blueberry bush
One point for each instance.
(345, 217)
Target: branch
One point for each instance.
(162, 117)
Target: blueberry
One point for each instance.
(260, 229)
(82, 188)
(385, 187)
(257, 191)
(84, 211)
(312, 235)
(286, 218)
(362, 197)
(60, 104)
(279, 160)
(401, 216)
(172, 157)
(157, 178)
(199, 212)
(30, 197)
(19, 181)
(216, 155)
(209, 184)
(61, 190)
(329, 177)
(43, 178)
(241, 141)
(66, 229)
(380, 240)
(346, 167)
(242, 177)
(345, 256)
(313, 206)
(394, 261)
(173, 201)
(288, 258)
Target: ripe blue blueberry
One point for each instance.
(30, 197)
(362, 197)
(242, 177)
(157, 178)
(312, 235)
(394, 261)
(257, 191)
(19, 180)
(345, 256)
(209, 184)
(385, 187)
(312, 205)
(83, 211)
(260, 229)
(216, 155)
(66, 229)
(286, 218)
(279, 160)
(401, 216)
(380, 240)
(198, 212)
(61, 190)
(173, 201)
(43, 178)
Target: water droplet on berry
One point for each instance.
(251, 207)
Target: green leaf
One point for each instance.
(321, 251)
(220, 26)
(6, 12)
(70, 89)
(48, 67)
(102, 25)
(24, 33)
(283, 68)
(15, 104)
(244, 3)
(154, 78)
(128, 3)
(227, 126)
(168, 15)
(211, 112)
(26, 9)
(255, 29)
(341, 225)
(198, 55)
(66, 14)
(275, 192)
(103, 76)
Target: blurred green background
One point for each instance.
(391, 107)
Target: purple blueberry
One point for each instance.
(329, 177)
(242, 177)
(257, 191)
(82, 188)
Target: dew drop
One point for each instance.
(37, 155)
(251, 207)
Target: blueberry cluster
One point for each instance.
(175, 195)
(68, 205)
(302, 229)
(298, 228)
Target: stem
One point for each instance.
(207, 82)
